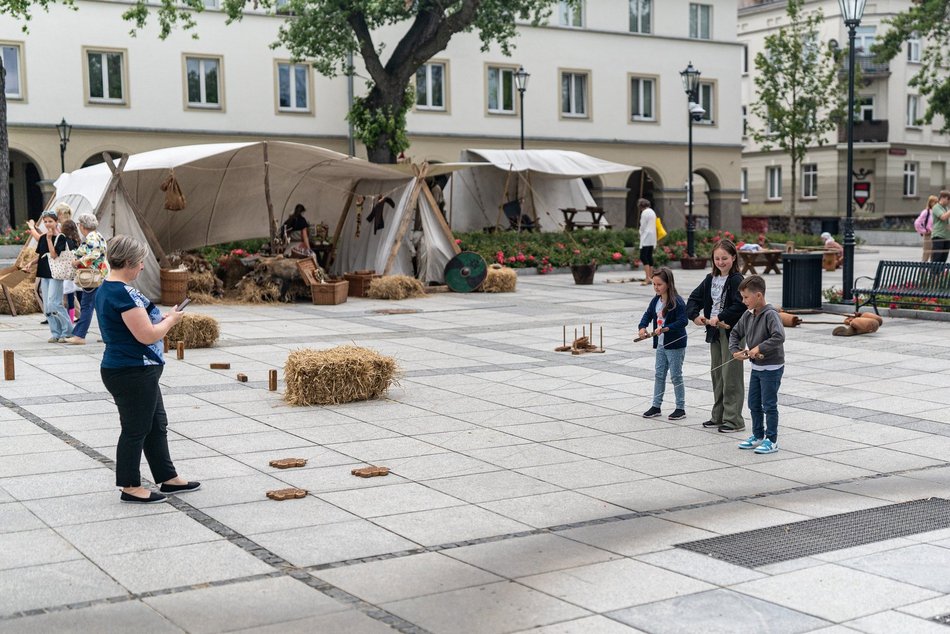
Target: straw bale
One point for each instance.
(339, 375)
(395, 287)
(196, 330)
(251, 292)
(501, 279)
(202, 282)
(24, 299)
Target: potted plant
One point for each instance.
(583, 265)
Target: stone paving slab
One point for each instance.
(527, 492)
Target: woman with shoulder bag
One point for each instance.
(924, 226)
(91, 268)
(48, 247)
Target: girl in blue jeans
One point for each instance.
(667, 314)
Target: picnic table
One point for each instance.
(596, 218)
(769, 258)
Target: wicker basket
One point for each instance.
(330, 292)
(359, 282)
(174, 285)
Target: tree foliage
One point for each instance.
(326, 32)
(928, 20)
(799, 97)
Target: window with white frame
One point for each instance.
(574, 94)
(501, 90)
(293, 87)
(744, 185)
(910, 178)
(864, 38)
(700, 21)
(865, 109)
(203, 76)
(642, 99)
(641, 16)
(938, 175)
(773, 182)
(571, 13)
(210, 4)
(745, 59)
(10, 55)
(809, 180)
(707, 99)
(430, 86)
(106, 74)
(913, 49)
(913, 106)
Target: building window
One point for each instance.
(574, 95)
(809, 180)
(293, 87)
(913, 103)
(910, 178)
(430, 87)
(707, 100)
(865, 109)
(571, 13)
(641, 16)
(501, 90)
(864, 38)
(210, 4)
(700, 21)
(745, 121)
(773, 180)
(203, 76)
(745, 59)
(938, 175)
(12, 54)
(106, 70)
(642, 99)
(744, 185)
(913, 49)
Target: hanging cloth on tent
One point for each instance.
(359, 213)
(376, 215)
(174, 198)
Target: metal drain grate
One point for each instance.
(811, 537)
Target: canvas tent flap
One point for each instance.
(224, 186)
(563, 163)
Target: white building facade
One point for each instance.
(604, 79)
(898, 161)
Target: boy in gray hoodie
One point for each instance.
(764, 338)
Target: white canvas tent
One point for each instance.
(547, 180)
(238, 191)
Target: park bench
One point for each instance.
(906, 282)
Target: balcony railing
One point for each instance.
(873, 131)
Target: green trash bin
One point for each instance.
(801, 281)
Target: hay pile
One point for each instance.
(197, 331)
(24, 299)
(395, 287)
(249, 291)
(501, 279)
(338, 375)
(203, 282)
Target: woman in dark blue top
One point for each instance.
(667, 312)
(132, 327)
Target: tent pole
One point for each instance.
(110, 189)
(339, 226)
(407, 219)
(270, 205)
(150, 237)
(534, 210)
(444, 225)
(505, 199)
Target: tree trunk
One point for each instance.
(792, 220)
(388, 99)
(6, 214)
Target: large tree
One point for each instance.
(929, 21)
(326, 32)
(798, 97)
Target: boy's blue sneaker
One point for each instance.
(767, 446)
(751, 442)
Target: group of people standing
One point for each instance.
(739, 326)
(933, 224)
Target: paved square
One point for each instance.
(527, 492)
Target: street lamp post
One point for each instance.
(64, 130)
(851, 11)
(521, 82)
(691, 85)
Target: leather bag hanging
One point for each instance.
(174, 198)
